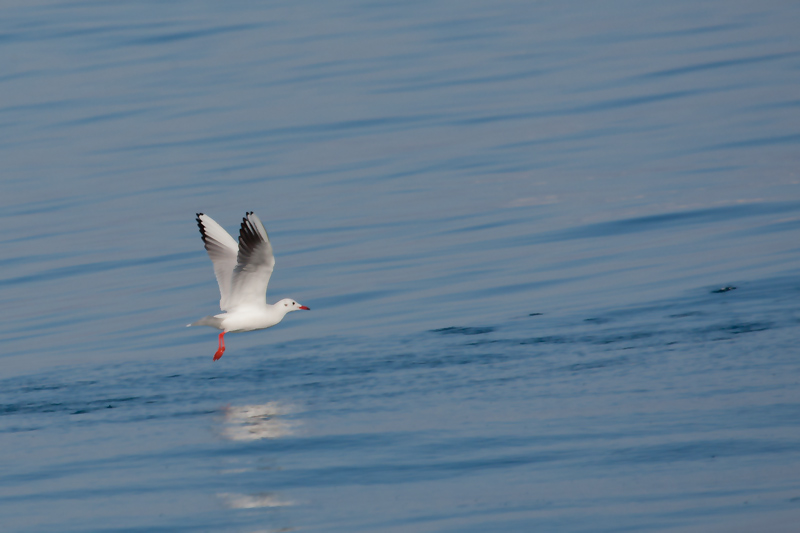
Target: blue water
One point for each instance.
(552, 252)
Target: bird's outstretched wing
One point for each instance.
(254, 264)
(222, 250)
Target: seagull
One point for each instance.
(243, 273)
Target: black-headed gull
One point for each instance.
(243, 273)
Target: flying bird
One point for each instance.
(242, 272)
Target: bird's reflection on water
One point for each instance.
(250, 423)
(253, 501)
(256, 422)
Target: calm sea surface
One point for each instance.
(552, 252)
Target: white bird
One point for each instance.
(243, 273)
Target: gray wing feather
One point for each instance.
(254, 265)
(222, 250)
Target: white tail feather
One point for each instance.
(213, 321)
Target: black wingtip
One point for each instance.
(246, 224)
(202, 227)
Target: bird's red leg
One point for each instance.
(221, 349)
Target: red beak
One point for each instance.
(304, 307)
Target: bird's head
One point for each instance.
(287, 304)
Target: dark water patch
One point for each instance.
(584, 135)
(33, 258)
(44, 387)
(610, 338)
(682, 31)
(20, 429)
(634, 101)
(712, 65)
(755, 142)
(597, 364)
(73, 406)
(620, 337)
(726, 331)
(687, 314)
(32, 408)
(174, 36)
(525, 341)
(319, 77)
(482, 227)
(738, 328)
(704, 450)
(59, 31)
(697, 216)
(103, 117)
(454, 330)
(661, 222)
(496, 78)
(603, 106)
(597, 320)
(545, 339)
(723, 289)
(47, 105)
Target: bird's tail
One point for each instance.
(213, 321)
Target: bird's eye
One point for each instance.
(294, 303)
